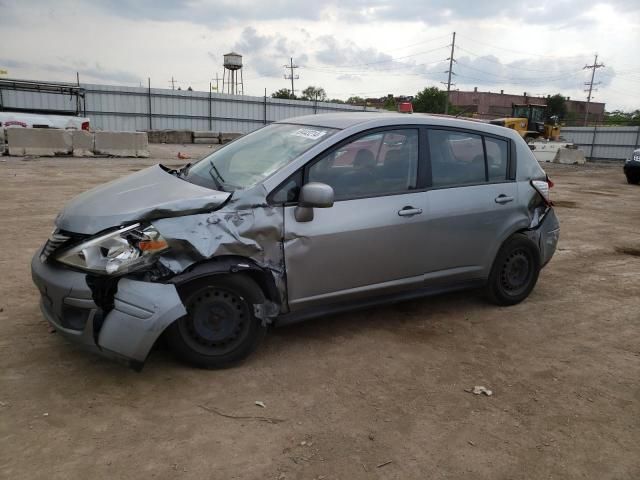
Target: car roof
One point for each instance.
(345, 120)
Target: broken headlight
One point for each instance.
(116, 252)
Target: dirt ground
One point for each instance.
(376, 394)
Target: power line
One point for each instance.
(556, 76)
(590, 84)
(379, 62)
(515, 51)
(488, 59)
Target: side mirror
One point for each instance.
(313, 195)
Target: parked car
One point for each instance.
(632, 167)
(299, 219)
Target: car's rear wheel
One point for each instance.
(515, 271)
(220, 328)
(633, 180)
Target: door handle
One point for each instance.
(502, 199)
(409, 211)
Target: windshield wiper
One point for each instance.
(184, 170)
(217, 178)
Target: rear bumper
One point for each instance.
(549, 234)
(142, 311)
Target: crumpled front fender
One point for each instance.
(141, 312)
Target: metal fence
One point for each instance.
(134, 108)
(604, 143)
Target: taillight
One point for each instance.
(85, 126)
(542, 187)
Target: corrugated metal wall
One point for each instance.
(127, 108)
(605, 143)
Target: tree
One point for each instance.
(356, 100)
(618, 117)
(389, 103)
(283, 93)
(430, 100)
(314, 93)
(556, 106)
(335, 100)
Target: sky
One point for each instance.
(366, 48)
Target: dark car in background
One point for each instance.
(632, 167)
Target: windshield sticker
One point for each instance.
(309, 133)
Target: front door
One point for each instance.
(369, 241)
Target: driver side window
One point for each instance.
(376, 164)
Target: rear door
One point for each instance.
(471, 202)
(369, 241)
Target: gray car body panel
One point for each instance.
(363, 247)
(141, 312)
(145, 195)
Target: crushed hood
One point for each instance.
(145, 195)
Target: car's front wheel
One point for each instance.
(515, 271)
(220, 327)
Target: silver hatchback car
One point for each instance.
(300, 219)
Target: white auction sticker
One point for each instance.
(309, 133)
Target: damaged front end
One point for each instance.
(115, 292)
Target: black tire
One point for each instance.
(220, 328)
(514, 272)
(633, 180)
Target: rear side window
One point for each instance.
(457, 158)
(497, 158)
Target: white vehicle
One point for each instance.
(35, 120)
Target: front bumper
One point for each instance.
(142, 311)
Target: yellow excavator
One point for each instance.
(531, 121)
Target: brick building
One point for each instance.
(490, 105)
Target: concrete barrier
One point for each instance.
(82, 143)
(206, 140)
(206, 137)
(569, 156)
(227, 137)
(170, 136)
(43, 142)
(122, 144)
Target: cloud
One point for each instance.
(346, 53)
(87, 72)
(267, 54)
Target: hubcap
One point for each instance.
(217, 321)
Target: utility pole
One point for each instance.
(173, 83)
(291, 75)
(591, 84)
(217, 84)
(450, 72)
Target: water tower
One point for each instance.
(232, 67)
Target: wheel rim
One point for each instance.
(516, 272)
(217, 321)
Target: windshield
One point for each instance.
(252, 158)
